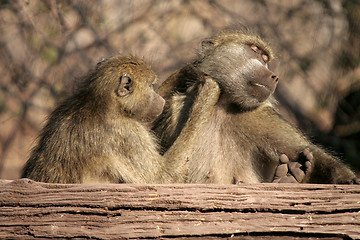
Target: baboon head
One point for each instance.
(238, 61)
(127, 84)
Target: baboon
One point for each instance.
(102, 132)
(245, 136)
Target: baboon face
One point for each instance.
(241, 71)
(130, 83)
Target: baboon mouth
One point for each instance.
(260, 91)
(261, 87)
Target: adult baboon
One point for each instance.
(245, 136)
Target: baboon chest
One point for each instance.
(222, 154)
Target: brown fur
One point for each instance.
(100, 134)
(245, 135)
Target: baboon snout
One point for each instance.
(155, 108)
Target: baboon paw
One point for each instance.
(282, 172)
(293, 171)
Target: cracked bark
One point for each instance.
(30, 209)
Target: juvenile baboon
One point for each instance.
(245, 136)
(101, 133)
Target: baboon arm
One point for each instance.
(180, 151)
(180, 81)
(325, 167)
(289, 140)
(168, 86)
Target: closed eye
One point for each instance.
(264, 56)
(255, 48)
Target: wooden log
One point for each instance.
(31, 209)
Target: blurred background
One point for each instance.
(47, 45)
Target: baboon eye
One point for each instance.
(265, 57)
(254, 48)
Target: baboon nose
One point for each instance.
(275, 78)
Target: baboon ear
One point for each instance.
(126, 85)
(101, 60)
(206, 43)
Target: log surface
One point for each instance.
(31, 209)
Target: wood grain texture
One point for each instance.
(31, 209)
